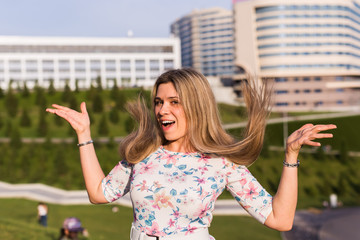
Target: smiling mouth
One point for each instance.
(167, 123)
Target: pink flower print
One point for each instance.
(154, 230)
(171, 159)
(243, 181)
(157, 184)
(143, 186)
(147, 168)
(176, 213)
(202, 211)
(171, 223)
(251, 191)
(161, 200)
(200, 180)
(190, 230)
(204, 159)
(203, 170)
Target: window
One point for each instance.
(125, 65)
(140, 65)
(168, 64)
(281, 91)
(280, 79)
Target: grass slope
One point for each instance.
(18, 222)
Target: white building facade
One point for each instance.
(207, 41)
(310, 49)
(127, 61)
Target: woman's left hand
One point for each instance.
(306, 136)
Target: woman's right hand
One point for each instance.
(79, 121)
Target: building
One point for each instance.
(308, 49)
(207, 41)
(128, 61)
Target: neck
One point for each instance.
(175, 146)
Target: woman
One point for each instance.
(176, 166)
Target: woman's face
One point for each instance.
(170, 115)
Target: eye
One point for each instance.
(174, 102)
(157, 102)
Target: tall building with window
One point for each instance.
(207, 41)
(310, 49)
(127, 61)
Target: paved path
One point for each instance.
(44, 193)
(297, 118)
(331, 224)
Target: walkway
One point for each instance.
(330, 224)
(44, 193)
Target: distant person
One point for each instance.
(42, 209)
(71, 229)
(178, 163)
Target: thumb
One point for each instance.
(83, 107)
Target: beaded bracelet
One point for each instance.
(85, 143)
(291, 165)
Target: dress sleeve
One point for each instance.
(117, 183)
(248, 192)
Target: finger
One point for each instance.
(323, 127)
(308, 125)
(83, 108)
(61, 107)
(323, 135)
(50, 110)
(312, 143)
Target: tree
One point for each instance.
(114, 115)
(2, 93)
(25, 91)
(51, 88)
(40, 98)
(8, 128)
(77, 86)
(120, 101)
(66, 95)
(103, 127)
(114, 91)
(25, 120)
(320, 154)
(1, 121)
(90, 94)
(343, 154)
(98, 84)
(129, 125)
(42, 127)
(15, 138)
(11, 103)
(98, 105)
(73, 103)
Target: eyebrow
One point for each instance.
(168, 98)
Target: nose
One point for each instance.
(164, 109)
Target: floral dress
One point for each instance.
(175, 192)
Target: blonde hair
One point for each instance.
(205, 132)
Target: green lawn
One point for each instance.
(18, 222)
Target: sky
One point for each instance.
(96, 18)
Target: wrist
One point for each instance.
(84, 136)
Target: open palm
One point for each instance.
(79, 121)
(306, 136)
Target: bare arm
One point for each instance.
(91, 168)
(284, 202)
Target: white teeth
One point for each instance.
(167, 122)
